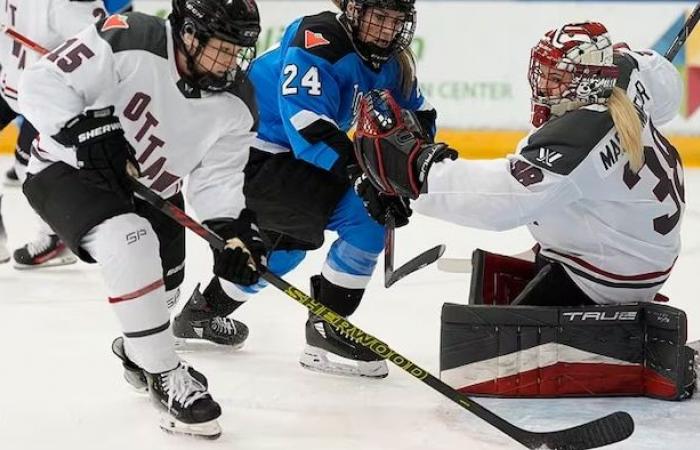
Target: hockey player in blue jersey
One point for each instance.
(301, 169)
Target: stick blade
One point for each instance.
(424, 259)
(607, 430)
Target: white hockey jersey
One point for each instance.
(128, 61)
(47, 23)
(617, 233)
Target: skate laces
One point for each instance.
(39, 245)
(182, 387)
(223, 325)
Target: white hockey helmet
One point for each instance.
(570, 67)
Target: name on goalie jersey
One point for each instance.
(611, 154)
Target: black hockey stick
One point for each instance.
(391, 276)
(606, 430)
(683, 34)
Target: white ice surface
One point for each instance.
(61, 388)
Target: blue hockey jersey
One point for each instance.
(308, 90)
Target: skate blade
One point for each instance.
(204, 430)
(53, 262)
(196, 344)
(322, 361)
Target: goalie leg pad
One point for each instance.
(525, 351)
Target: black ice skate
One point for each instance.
(187, 407)
(46, 251)
(198, 322)
(135, 375)
(328, 351)
(11, 179)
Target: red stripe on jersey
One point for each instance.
(139, 293)
(614, 276)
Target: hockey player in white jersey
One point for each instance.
(47, 23)
(600, 189)
(171, 98)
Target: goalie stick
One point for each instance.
(597, 433)
(464, 265)
(392, 275)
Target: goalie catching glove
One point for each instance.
(102, 151)
(391, 148)
(244, 257)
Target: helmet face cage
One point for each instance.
(233, 21)
(369, 25)
(571, 67)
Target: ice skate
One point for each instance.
(46, 251)
(328, 351)
(135, 376)
(197, 322)
(186, 406)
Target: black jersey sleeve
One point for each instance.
(564, 142)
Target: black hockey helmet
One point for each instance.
(233, 21)
(354, 13)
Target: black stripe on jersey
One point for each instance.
(245, 90)
(626, 64)
(151, 332)
(564, 142)
(625, 285)
(324, 131)
(326, 25)
(144, 33)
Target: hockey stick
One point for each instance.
(23, 40)
(683, 34)
(392, 275)
(597, 433)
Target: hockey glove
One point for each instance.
(102, 151)
(378, 204)
(392, 153)
(244, 257)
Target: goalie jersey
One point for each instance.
(616, 232)
(47, 23)
(312, 85)
(128, 61)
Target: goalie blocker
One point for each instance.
(559, 351)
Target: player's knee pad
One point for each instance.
(126, 247)
(524, 351)
(340, 299)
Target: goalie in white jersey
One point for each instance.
(47, 23)
(172, 98)
(596, 183)
(601, 191)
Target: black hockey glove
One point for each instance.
(245, 255)
(378, 204)
(101, 149)
(391, 151)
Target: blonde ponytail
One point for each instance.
(629, 127)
